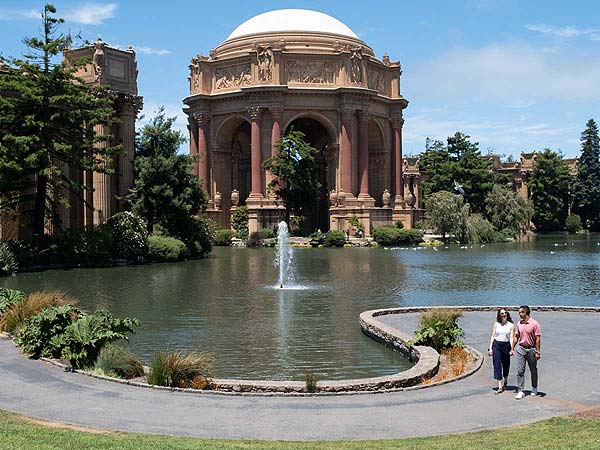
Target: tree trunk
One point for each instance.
(39, 211)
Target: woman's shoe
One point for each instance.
(499, 391)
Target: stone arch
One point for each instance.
(320, 136)
(231, 161)
(378, 161)
(322, 119)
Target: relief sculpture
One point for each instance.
(235, 76)
(265, 63)
(315, 72)
(356, 66)
(376, 81)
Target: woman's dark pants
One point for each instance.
(501, 357)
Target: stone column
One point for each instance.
(102, 185)
(276, 114)
(129, 107)
(346, 150)
(256, 155)
(397, 149)
(202, 121)
(193, 129)
(363, 154)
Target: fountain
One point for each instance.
(283, 257)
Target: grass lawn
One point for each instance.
(21, 433)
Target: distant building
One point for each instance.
(307, 71)
(116, 69)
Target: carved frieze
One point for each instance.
(234, 76)
(356, 65)
(265, 63)
(195, 78)
(310, 72)
(376, 80)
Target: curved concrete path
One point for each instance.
(568, 377)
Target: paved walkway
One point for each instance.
(568, 377)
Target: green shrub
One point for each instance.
(117, 361)
(174, 369)
(166, 249)
(239, 222)
(258, 238)
(89, 247)
(317, 238)
(356, 223)
(17, 314)
(311, 380)
(9, 297)
(38, 334)
(267, 233)
(392, 235)
(573, 224)
(480, 230)
(197, 234)
(26, 255)
(334, 239)
(223, 238)
(83, 339)
(439, 329)
(8, 261)
(400, 225)
(129, 236)
(299, 226)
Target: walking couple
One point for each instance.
(522, 340)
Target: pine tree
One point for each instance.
(586, 189)
(47, 125)
(165, 190)
(549, 185)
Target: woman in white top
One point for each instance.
(501, 344)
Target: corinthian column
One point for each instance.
(276, 114)
(102, 185)
(202, 121)
(346, 149)
(363, 154)
(130, 105)
(256, 155)
(397, 146)
(193, 129)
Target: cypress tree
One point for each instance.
(586, 192)
(549, 185)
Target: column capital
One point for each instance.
(363, 115)
(255, 112)
(201, 118)
(397, 122)
(347, 112)
(130, 104)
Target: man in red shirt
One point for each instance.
(527, 349)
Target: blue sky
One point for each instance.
(517, 75)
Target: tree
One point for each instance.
(549, 185)
(296, 174)
(47, 128)
(460, 161)
(165, 191)
(448, 213)
(586, 189)
(506, 209)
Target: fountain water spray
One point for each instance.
(284, 255)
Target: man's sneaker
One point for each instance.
(519, 395)
(534, 391)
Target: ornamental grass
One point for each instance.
(16, 315)
(175, 369)
(117, 361)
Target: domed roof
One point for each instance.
(286, 20)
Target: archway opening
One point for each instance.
(378, 162)
(318, 137)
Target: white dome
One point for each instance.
(283, 20)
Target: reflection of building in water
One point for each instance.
(301, 70)
(117, 69)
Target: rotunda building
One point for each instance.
(306, 71)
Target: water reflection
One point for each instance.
(226, 303)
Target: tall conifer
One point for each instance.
(586, 192)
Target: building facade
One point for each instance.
(305, 71)
(116, 69)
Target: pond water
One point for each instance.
(229, 303)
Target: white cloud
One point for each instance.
(151, 51)
(506, 74)
(9, 15)
(91, 13)
(564, 32)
